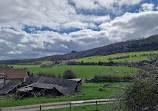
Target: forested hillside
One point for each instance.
(145, 44)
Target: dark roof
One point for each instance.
(64, 86)
(9, 87)
(42, 85)
(14, 73)
(1, 76)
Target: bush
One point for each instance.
(142, 95)
(69, 74)
(6, 67)
(48, 74)
(106, 78)
(111, 78)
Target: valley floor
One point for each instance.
(58, 105)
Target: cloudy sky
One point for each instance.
(36, 28)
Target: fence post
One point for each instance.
(96, 106)
(40, 108)
(70, 106)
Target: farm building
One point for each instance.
(11, 78)
(48, 85)
(2, 81)
(15, 74)
(18, 81)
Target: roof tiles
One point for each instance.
(14, 73)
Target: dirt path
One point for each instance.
(56, 105)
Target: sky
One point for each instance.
(37, 28)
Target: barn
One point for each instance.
(50, 86)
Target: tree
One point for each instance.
(69, 74)
(142, 95)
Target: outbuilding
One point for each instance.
(10, 79)
(50, 86)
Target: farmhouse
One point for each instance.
(48, 85)
(11, 78)
(15, 74)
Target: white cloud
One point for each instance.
(34, 13)
(105, 6)
(131, 26)
(71, 25)
(52, 14)
(96, 4)
(25, 45)
(128, 2)
(157, 8)
(64, 46)
(147, 7)
(59, 15)
(95, 19)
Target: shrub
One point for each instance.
(127, 78)
(111, 78)
(6, 67)
(106, 78)
(142, 95)
(69, 74)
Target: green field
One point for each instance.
(134, 56)
(82, 71)
(89, 91)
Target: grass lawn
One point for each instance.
(89, 91)
(100, 107)
(138, 57)
(81, 71)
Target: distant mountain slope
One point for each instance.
(146, 44)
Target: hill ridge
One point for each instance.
(145, 44)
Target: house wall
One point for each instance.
(1, 83)
(22, 79)
(1, 80)
(26, 76)
(78, 87)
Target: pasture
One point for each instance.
(82, 71)
(122, 57)
(89, 90)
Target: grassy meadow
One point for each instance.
(82, 71)
(134, 56)
(89, 91)
(100, 107)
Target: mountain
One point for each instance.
(145, 44)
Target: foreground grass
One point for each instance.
(89, 91)
(134, 56)
(82, 71)
(100, 107)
